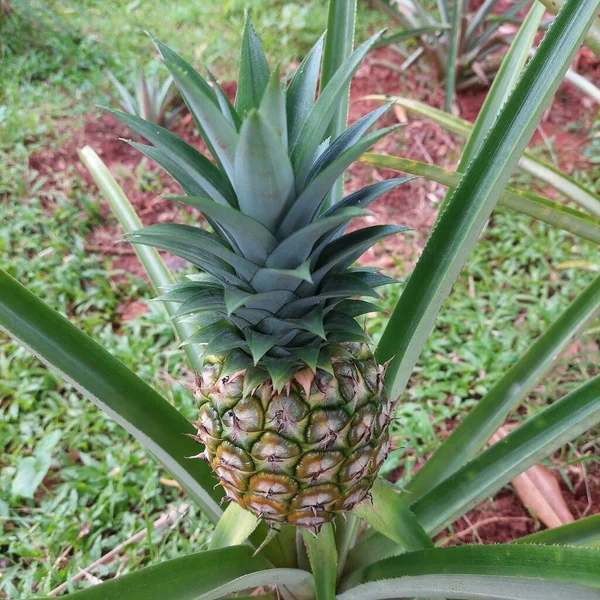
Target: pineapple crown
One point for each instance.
(277, 283)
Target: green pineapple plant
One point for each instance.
(293, 404)
(459, 42)
(153, 100)
(290, 396)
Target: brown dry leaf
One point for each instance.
(539, 491)
(170, 482)
(400, 114)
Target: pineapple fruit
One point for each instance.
(292, 411)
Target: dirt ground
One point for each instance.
(414, 204)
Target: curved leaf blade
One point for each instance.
(300, 96)
(263, 175)
(454, 36)
(254, 72)
(153, 264)
(529, 443)
(101, 378)
(322, 555)
(339, 41)
(491, 411)
(184, 578)
(219, 133)
(553, 213)
(317, 122)
(504, 81)
(253, 238)
(300, 582)
(234, 527)
(583, 532)
(390, 515)
(193, 171)
(466, 587)
(528, 162)
(544, 563)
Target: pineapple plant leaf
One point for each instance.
(547, 211)
(236, 399)
(154, 100)
(565, 184)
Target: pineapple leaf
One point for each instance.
(272, 106)
(236, 298)
(343, 336)
(234, 527)
(218, 132)
(360, 198)
(338, 322)
(308, 354)
(341, 253)
(315, 125)
(225, 340)
(236, 360)
(194, 172)
(373, 279)
(204, 278)
(253, 239)
(259, 344)
(313, 322)
(143, 95)
(269, 279)
(366, 195)
(312, 197)
(323, 558)
(348, 285)
(252, 315)
(225, 105)
(300, 97)
(339, 286)
(180, 292)
(209, 299)
(263, 179)
(253, 377)
(279, 370)
(324, 362)
(269, 302)
(206, 334)
(127, 102)
(193, 244)
(203, 319)
(356, 308)
(346, 141)
(254, 72)
(297, 247)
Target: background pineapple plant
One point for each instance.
(292, 411)
(397, 558)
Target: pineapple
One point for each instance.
(292, 411)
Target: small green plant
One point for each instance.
(295, 435)
(153, 100)
(461, 45)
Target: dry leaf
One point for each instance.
(170, 482)
(539, 491)
(400, 114)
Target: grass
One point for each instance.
(97, 487)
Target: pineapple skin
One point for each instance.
(300, 456)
